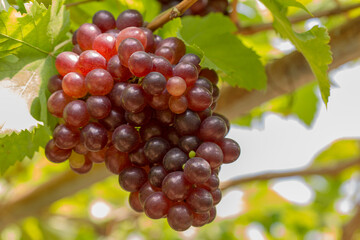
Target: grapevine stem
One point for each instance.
(170, 14)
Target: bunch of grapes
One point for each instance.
(201, 7)
(142, 106)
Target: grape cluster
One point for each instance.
(144, 107)
(201, 7)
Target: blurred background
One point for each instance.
(294, 135)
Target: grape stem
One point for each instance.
(170, 14)
(350, 228)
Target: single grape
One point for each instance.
(66, 137)
(94, 136)
(165, 116)
(225, 120)
(132, 178)
(85, 168)
(105, 45)
(198, 98)
(157, 175)
(187, 123)
(76, 49)
(213, 129)
(104, 20)
(129, 18)
(116, 161)
(205, 113)
(145, 191)
(133, 99)
(186, 71)
(80, 148)
(140, 64)
(86, 34)
(150, 43)
(90, 60)
(212, 214)
(212, 183)
(167, 53)
(114, 119)
(159, 102)
(189, 143)
(216, 195)
(197, 170)
(99, 82)
(55, 154)
(155, 149)
(76, 114)
(132, 32)
(230, 148)
(119, 72)
(125, 138)
(176, 86)
(73, 85)
(152, 129)
(157, 40)
(116, 93)
(180, 217)
(99, 107)
(97, 157)
(140, 118)
(176, 44)
(209, 74)
(134, 202)
(200, 219)
(55, 83)
(172, 136)
(178, 105)
(76, 160)
(192, 58)
(205, 83)
(73, 38)
(66, 62)
(154, 83)
(57, 102)
(163, 66)
(174, 160)
(137, 157)
(199, 6)
(175, 186)
(156, 205)
(200, 200)
(211, 152)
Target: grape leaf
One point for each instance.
(340, 150)
(170, 29)
(313, 44)
(28, 45)
(21, 6)
(17, 146)
(223, 51)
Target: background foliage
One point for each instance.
(31, 35)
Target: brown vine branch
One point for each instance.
(170, 14)
(234, 14)
(81, 2)
(331, 171)
(350, 228)
(326, 13)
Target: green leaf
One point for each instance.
(223, 51)
(340, 150)
(28, 45)
(313, 44)
(17, 146)
(170, 29)
(21, 6)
